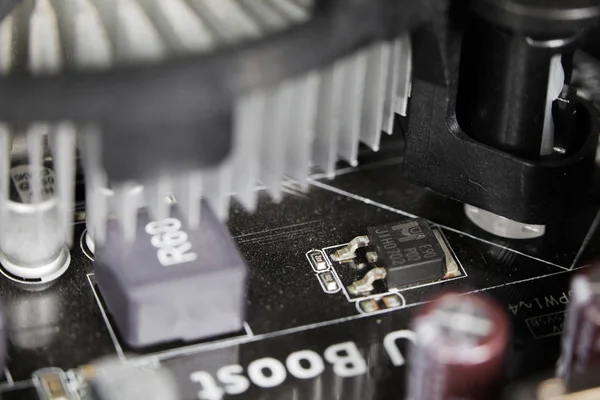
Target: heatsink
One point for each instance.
(279, 132)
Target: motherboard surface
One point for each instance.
(298, 305)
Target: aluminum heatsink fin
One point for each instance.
(130, 30)
(389, 106)
(302, 129)
(316, 118)
(180, 27)
(188, 193)
(35, 146)
(374, 96)
(307, 4)
(404, 76)
(155, 197)
(90, 43)
(50, 35)
(227, 19)
(277, 115)
(398, 82)
(329, 115)
(217, 186)
(354, 87)
(215, 23)
(6, 44)
(249, 115)
(292, 10)
(126, 197)
(137, 38)
(166, 27)
(45, 53)
(96, 185)
(319, 117)
(62, 143)
(46, 57)
(264, 14)
(266, 122)
(269, 125)
(64, 29)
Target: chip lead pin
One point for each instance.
(348, 252)
(372, 256)
(365, 284)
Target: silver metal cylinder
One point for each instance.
(33, 317)
(502, 226)
(32, 243)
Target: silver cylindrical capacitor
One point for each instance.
(460, 348)
(112, 380)
(32, 243)
(33, 314)
(581, 335)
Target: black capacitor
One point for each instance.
(581, 336)
(507, 51)
(460, 348)
(503, 86)
(540, 18)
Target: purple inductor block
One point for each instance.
(171, 283)
(581, 335)
(460, 349)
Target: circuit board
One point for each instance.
(297, 300)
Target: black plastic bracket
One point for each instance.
(440, 156)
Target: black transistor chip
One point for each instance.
(409, 251)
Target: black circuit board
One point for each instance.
(292, 307)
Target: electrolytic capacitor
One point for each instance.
(32, 244)
(37, 171)
(581, 336)
(459, 353)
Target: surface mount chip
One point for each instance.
(172, 283)
(409, 251)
